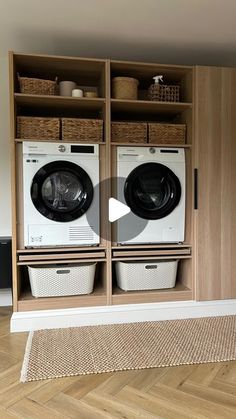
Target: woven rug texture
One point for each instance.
(96, 349)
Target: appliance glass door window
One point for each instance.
(62, 191)
(152, 191)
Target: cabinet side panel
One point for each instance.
(233, 185)
(15, 271)
(228, 189)
(215, 128)
(208, 137)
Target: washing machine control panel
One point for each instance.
(90, 151)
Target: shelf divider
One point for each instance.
(59, 102)
(152, 145)
(146, 106)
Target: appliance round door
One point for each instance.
(152, 191)
(62, 191)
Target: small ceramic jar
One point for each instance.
(66, 87)
(77, 93)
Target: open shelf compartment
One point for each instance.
(85, 72)
(181, 292)
(144, 72)
(26, 302)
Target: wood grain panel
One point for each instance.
(59, 261)
(179, 293)
(28, 303)
(55, 102)
(162, 257)
(15, 276)
(105, 214)
(61, 256)
(134, 253)
(166, 246)
(216, 149)
(147, 106)
(64, 249)
(187, 146)
(185, 273)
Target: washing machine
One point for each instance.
(59, 194)
(151, 182)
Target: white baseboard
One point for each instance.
(5, 297)
(50, 319)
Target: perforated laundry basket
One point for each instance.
(146, 275)
(61, 280)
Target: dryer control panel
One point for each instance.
(161, 154)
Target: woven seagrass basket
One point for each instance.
(130, 132)
(125, 88)
(166, 133)
(38, 128)
(77, 129)
(34, 86)
(164, 93)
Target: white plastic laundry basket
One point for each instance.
(146, 275)
(61, 280)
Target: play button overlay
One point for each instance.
(117, 210)
(126, 225)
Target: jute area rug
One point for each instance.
(97, 349)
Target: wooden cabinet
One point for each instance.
(208, 108)
(215, 151)
(97, 74)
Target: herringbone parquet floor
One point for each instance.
(199, 391)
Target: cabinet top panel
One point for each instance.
(22, 57)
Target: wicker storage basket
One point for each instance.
(38, 128)
(164, 93)
(76, 129)
(125, 88)
(54, 280)
(147, 275)
(166, 133)
(130, 132)
(35, 86)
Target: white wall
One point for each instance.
(5, 157)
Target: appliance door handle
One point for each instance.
(195, 189)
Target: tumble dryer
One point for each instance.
(59, 194)
(151, 181)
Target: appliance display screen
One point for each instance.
(169, 151)
(82, 149)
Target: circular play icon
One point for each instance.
(125, 224)
(117, 210)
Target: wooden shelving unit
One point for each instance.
(153, 145)
(98, 73)
(152, 246)
(21, 140)
(147, 107)
(59, 102)
(179, 293)
(27, 303)
(60, 249)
